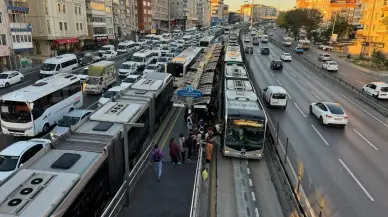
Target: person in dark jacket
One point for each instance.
(174, 151)
(189, 145)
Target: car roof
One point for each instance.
(331, 61)
(116, 88)
(277, 89)
(78, 112)
(17, 148)
(8, 72)
(331, 103)
(325, 54)
(287, 53)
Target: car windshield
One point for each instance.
(279, 96)
(107, 52)
(105, 48)
(85, 72)
(287, 54)
(151, 67)
(326, 55)
(335, 108)
(277, 62)
(67, 121)
(126, 66)
(109, 94)
(122, 47)
(129, 80)
(8, 163)
(3, 76)
(332, 63)
(48, 67)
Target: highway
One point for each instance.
(347, 165)
(90, 102)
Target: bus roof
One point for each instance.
(235, 71)
(41, 88)
(240, 103)
(239, 85)
(233, 56)
(207, 38)
(142, 53)
(187, 55)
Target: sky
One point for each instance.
(281, 4)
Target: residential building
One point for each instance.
(216, 8)
(203, 12)
(225, 12)
(330, 8)
(144, 16)
(59, 26)
(19, 27)
(123, 19)
(99, 14)
(5, 51)
(159, 12)
(259, 11)
(184, 13)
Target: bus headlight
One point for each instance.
(227, 152)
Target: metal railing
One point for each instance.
(195, 199)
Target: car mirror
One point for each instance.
(21, 165)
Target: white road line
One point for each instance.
(279, 82)
(292, 74)
(343, 73)
(357, 181)
(250, 182)
(320, 135)
(360, 82)
(246, 162)
(253, 196)
(271, 73)
(248, 171)
(31, 72)
(315, 95)
(289, 96)
(300, 110)
(92, 105)
(302, 83)
(363, 110)
(366, 140)
(257, 212)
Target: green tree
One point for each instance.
(312, 21)
(385, 23)
(281, 20)
(342, 28)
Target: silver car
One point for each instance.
(71, 119)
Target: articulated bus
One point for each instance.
(206, 41)
(31, 110)
(179, 66)
(233, 58)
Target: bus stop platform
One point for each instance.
(170, 197)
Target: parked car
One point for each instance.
(276, 64)
(69, 120)
(8, 78)
(330, 66)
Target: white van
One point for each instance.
(60, 64)
(126, 47)
(127, 68)
(106, 48)
(157, 38)
(275, 96)
(143, 57)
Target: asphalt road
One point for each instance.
(347, 165)
(90, 102)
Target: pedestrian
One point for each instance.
(189, 146)
(156, 160)
(182, 147)
(209, 150)
(199, 138)
(174, 151)
(194, 136)
(189, 121)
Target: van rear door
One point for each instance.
(279, 99)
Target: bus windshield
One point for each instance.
(138, 59)
(175, 69)
(203, 43)
(15, 112)
(245, 133)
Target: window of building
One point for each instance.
(1, 17)
(3, 39)
(64, 8)
(108, 9)
(76, 26)
(65, 26)
(144, 3)
(29, 38)
(75, 10)
(60, 26)
(59, 8)
(18, 38)
(145, 11)
(80, 26)
(14, 38)
(79, 10)
(385, 2)
(373, 27)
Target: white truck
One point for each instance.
(325, 47)
(101, 76)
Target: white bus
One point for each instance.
(206, 41)
(126, 47)
(178, 66)
(233, 57)
(305, 44)
(31, 110)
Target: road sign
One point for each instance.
(189, 92)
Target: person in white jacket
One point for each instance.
(182, 148)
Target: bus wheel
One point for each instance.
(45, 128)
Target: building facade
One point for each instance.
(259, 11)
(159, 12)
(99, 14)
(217, 8)
(225, 12)
(5, 46)
(203, 12)
(123, 19)
(59, 26)
(144, 16)
(184, 13)
(330, 8)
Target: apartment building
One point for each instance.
(203, 12)
(123, 19)
(225, 12)
(59, 26)
(144, 16)
(216, 8)
(100, 26)
(259, 11)
(5, 50)
(159, 11)
(330, 8)
(184, 13)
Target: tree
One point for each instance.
(295, 20)
(281, 20)
(385, 23)
(314, 18)
(342, 28)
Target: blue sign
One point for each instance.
(189, 92)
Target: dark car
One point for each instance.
(249, 49)
(265, 50)
(256, 41)
(276, 64)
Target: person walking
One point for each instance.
(174, 151)
(156, 159)
(182, 147)
(209, 151)
(189, 121)
(189, 144)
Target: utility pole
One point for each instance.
(169, 18)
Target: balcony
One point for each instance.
(19, 46)
(20, 27)
(17, 6)
(97, 24)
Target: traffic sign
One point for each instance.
(189, 92)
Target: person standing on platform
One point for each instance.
(189, 121)
(174, 151)
(182, 147)
(156, 159)
(189, 144)
(209, 151)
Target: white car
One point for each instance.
(329, 113)
(70, 119)
(163, 60)
(247, 39)
(109, 54)
(10, 77)
(324, 57)
(286, 57)
(151, 68)
(180, 43)
(109, 94)
(15, 155)
(379, 90)
(127, 68)
(330, 66)
(129, 80)
(83, 75)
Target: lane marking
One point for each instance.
(31, 72)
(360, 82)
(320, 135)
(300, 110)
(24, 82)
(356, 180)
(271, 73)
(302, 83)
(246, 162)
(169, 131)
(315, 95)
(257, 212)
(253, 196)
(292, 74)
(250, 182)
(343, 73)
(366, 139)
(248, 171)
(289, 96)
(278, 82)
(364, 110)
(91, 105)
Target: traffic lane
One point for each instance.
(351, 148)
(305, 141)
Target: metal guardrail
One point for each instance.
(195, 199)
(373, 103)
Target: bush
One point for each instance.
(378, 57)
